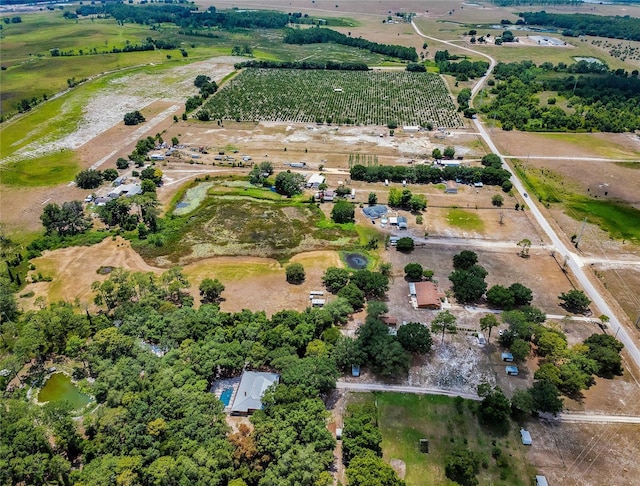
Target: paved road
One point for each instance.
(573, 260)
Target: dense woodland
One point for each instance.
(574, 25)
(189, 17)
(597, 99)
(321, 35)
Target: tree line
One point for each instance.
(601, 100)
(328, 65)
(614, 27)
(429, 174)
(322, 35)
(463, 70)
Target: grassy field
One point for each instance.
(405, 419)
(236, 220)
(618, 219)
(466, 220)
(31, 71)
(367, 98)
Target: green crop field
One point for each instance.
(405, 419)
(366, 98)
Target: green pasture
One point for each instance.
(466, 220)
(404, 419)
(31, 71)
(620, 220)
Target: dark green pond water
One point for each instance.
(59, 388)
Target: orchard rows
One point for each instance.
(343, 97)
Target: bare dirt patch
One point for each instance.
(585, 454)
(258, 284)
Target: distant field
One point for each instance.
(364, 98)
(405, 419)
(31, 71)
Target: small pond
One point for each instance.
(356, 261)
(58, 388)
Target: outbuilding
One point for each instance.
(315, 180)
(511, 370)
(525, 437)
(507, 357)
(411, 129)
(452, 187)
(402, 222)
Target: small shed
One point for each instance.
(525, 436)
(402, 222)
(313, 293)
(393, 221)
(411, 129)
(511, 370)
(317, 302)
(541, 481)
(452, 187)
(478, 184)
(507, 357)
(389, 321)
(355, 370)
(157, 157)
(338, 434)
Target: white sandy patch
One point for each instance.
(124, 94)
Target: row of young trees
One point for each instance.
(321, 35)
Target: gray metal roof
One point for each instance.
(253, 384)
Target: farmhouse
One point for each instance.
(452, 187)
(315, 180)
(248, 398)
(425, 295)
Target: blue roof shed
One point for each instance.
(511, 370)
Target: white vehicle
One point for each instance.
(88, 199)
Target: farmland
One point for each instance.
(366, 98)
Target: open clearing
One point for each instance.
(250, 282)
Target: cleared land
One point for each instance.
(405, 419)
(358, 97)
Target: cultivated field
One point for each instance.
(358, 97)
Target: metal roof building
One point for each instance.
(525, 436)
(253, 384)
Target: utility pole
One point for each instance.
(584, 223)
